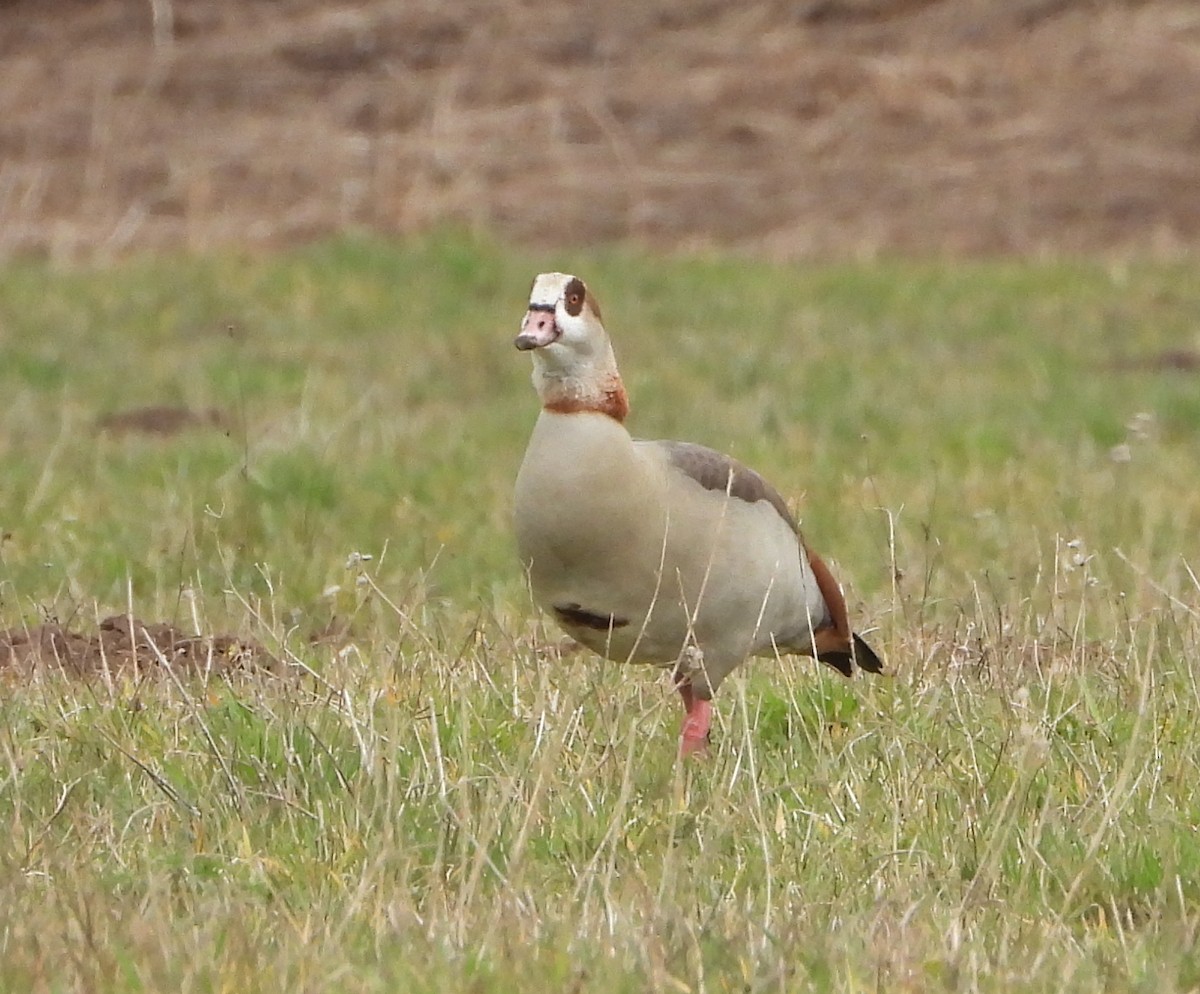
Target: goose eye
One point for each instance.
(573, 296)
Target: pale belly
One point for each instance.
(710, 587)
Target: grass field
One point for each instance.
(1004, 472)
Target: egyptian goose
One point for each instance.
(657, 552)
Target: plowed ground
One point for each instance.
(803, 128)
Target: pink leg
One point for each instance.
(696, 723)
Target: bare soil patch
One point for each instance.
(161, 419)
(123, 644)
(800, 128)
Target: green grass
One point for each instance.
(445, 804)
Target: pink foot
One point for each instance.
(696, 724)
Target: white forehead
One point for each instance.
(548, 288)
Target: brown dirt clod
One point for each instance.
(160, 420)
(123, 643)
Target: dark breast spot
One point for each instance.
(574, 615)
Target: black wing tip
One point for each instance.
(862, 656)
(866, 657)
(843, 662)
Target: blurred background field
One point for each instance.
(785, 127)
(930, 266)
(358, 396)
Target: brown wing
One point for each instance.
(716, 471)
(834, 642)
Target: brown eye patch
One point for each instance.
(574, 295)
